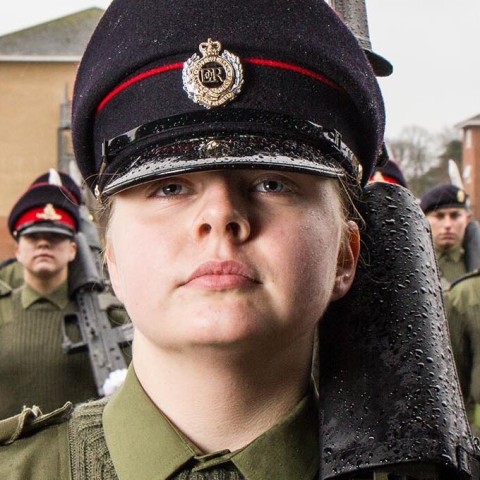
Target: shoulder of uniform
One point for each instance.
(469, 275)
(30, 420)
(5, 289)
(7, 262)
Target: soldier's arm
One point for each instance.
(460, 338)
(35, 446)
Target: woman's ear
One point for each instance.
(347, 261)
(113, 271)
(73, 251)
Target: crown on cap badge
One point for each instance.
(460, 196)
(49, 213)
(215, 79)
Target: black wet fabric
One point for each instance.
(389, 392)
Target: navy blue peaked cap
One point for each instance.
(391, 173)
(301, 69)
(68, 183)
(45, 207)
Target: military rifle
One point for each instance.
(87, 286)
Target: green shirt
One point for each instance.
(144, 445)
(34, 369)
(148, 446)
(58, 299)
(30, 300)
(451, 263)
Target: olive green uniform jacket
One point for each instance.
(127, 437)
(34, 369)
(451, 265)
(12, 273)
(462, 304)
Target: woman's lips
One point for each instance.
(223, 275)
(42, 256)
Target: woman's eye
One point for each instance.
(171, 190)
(272, 186)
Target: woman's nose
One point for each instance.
(224, 213)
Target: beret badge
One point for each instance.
(215, 78)
(461, 196)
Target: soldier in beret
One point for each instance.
(225, 158)
(34, 367)
(447, 209)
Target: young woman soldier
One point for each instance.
(227, 175)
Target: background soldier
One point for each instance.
(447, 209)
(33, 366)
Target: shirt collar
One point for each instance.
(58, 297)
(289, 450)
(143, 444)
(454, 254)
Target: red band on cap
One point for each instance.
(41, 214)
(294, 68)
(253, 61)
(381, 177)
(136, 79)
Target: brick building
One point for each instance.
(37, 70)
(471, 161)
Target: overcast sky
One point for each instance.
(433, 45)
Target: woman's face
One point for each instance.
(230, 258)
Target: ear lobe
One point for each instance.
(347, 262)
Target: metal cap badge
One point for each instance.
(215, 79)
(49, 213)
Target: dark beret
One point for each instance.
(444, 196)
(45, 207)
(389, 172)
(292, 72)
